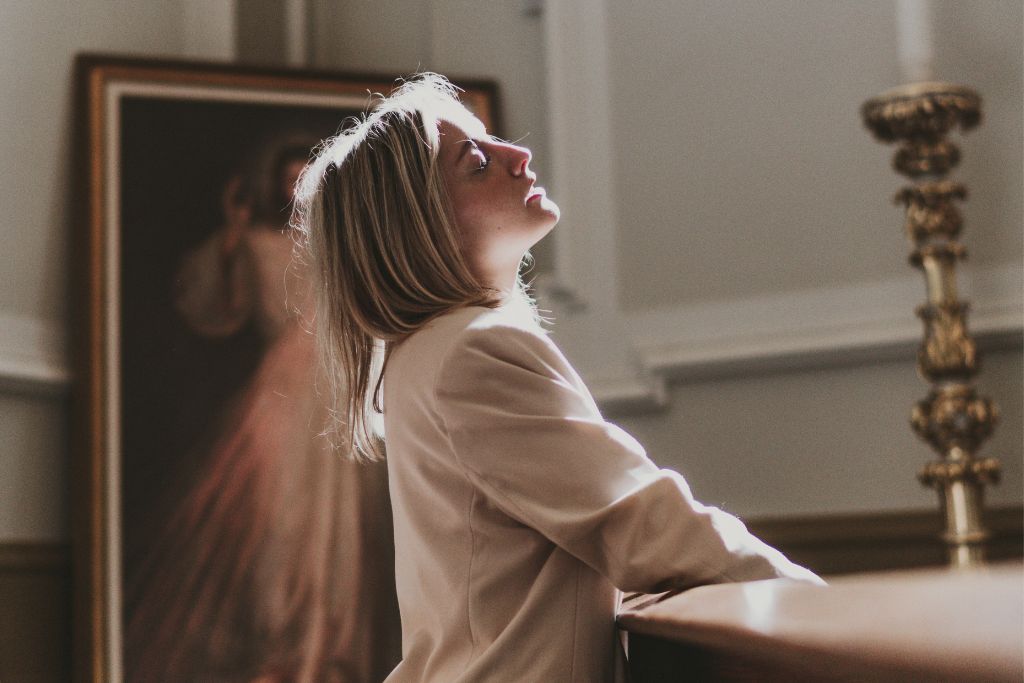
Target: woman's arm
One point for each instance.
(539, 449)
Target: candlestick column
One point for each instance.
(953, 418)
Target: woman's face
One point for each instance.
(499, 212)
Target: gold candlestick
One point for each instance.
(953, 419)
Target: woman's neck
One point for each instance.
(501, 278)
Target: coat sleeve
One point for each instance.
(538, 448)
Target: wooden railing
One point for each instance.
(921, 625)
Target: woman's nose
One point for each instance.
(519, 159)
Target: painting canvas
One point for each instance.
(218, 534)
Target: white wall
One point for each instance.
(38, 41)
(744, 174)
(742, 163)
(742, 167)
(819, 440)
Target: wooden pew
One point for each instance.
(914, 626)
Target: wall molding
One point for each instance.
(843, 325)
(582, 291)
(33, 356)
(810, 329)
(779, 332)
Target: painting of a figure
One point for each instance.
(242, 545)
(254, 566)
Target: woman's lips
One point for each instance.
(535, 193)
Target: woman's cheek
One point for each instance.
(474, 216)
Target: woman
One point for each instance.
(519, 512)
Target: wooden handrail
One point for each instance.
(922, 625)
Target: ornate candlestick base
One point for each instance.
(953, 419)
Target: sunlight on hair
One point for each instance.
(374, 223)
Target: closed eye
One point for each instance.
(483, 158)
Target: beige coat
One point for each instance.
(520, 513)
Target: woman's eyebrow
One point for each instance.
(466, 145)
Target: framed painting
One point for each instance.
(216, 534)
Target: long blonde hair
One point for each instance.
(375, 223)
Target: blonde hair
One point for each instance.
(374, 221)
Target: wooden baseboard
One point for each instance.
(35, 581)
(862, 542)
(35, 612)
(27, 556)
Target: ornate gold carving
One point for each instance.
(931, 212)
(937, 474)
(953, 419)
(947, 352)
(948, 252)
(924, 157)
(921, 111)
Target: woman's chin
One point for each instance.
(549, 224)
(551, 209)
